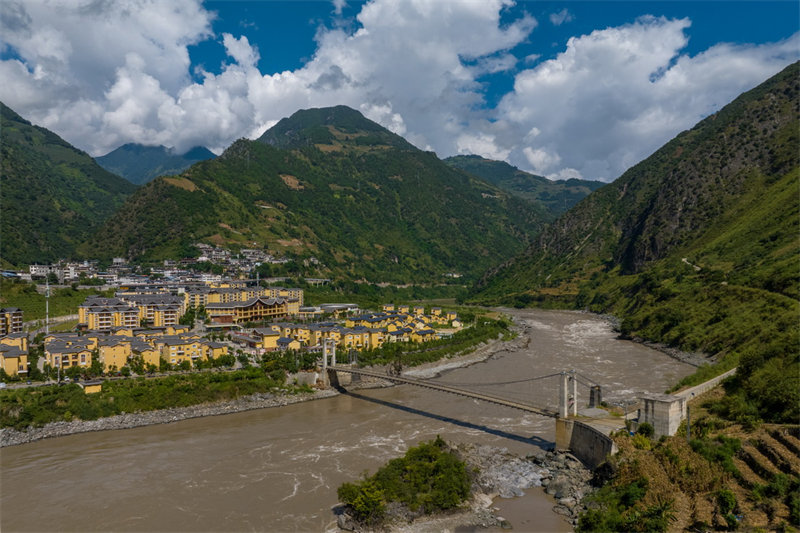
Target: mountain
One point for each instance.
(697, 247)
(556, 196)
(333, 127)
(139, 164)
(53, 196)
(332, 187)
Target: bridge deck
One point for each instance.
(447, 388)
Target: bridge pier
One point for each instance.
(567, 395)
(328, 350)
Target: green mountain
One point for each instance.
(53, 196)
(139, 164)
(336, 192)
(697, 247)
(331, 127)
(556, 196)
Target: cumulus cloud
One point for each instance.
(105, 73)
(615, 95)
(563, 16)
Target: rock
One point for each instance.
(567, 502)
(563, 511)
(346, 522)
(559, 486)
(483, 501)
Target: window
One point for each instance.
(83, 358)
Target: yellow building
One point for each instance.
(377, 336)
(269, 338)
(91, 387)
(286, 343)
(212, 350)
(10, 320)
(422, 335)
(18, 340)
(104, 314)
(150, 354)
(254, 310)
(388, 308)
(14, 354)
(158, 310)
(114, 352)
(63, 355)
(178, 349)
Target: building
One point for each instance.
(63, 355)
(104, 314)
(157, 310)
(14, 354)
(254, 310)
(10, 320)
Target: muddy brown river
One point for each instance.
(278, 469)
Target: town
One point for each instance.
(149, 327)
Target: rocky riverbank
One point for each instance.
(12, 437)
(499, 474)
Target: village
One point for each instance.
(157, 327)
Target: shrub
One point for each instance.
(428, 478)
(646, 429)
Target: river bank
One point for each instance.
(13, 437)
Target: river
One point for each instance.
(278, 469)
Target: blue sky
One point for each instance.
(563, 89)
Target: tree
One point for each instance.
(96, 368)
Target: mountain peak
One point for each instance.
(139, 163)
(339, 126)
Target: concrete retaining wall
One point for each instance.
(587, 443)
(697, 390)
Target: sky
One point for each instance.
(565, 89)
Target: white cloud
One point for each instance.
(338, 6)
(105, 73)
(563, 16)
(614, 96)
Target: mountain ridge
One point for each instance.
(139, 163)
(349, 197)
(557, 196)
(53, 195)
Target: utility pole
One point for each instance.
(47, 306)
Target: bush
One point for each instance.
(646, 429)
(428, 478)
(641, 442)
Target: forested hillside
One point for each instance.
(556, 196)
(340, 195)
(139, 164)
(53, 196)
(697, 246)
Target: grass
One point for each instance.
(63, 301)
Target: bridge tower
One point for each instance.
(568, 394)
(328, 348)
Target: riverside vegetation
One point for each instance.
(429, 478)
